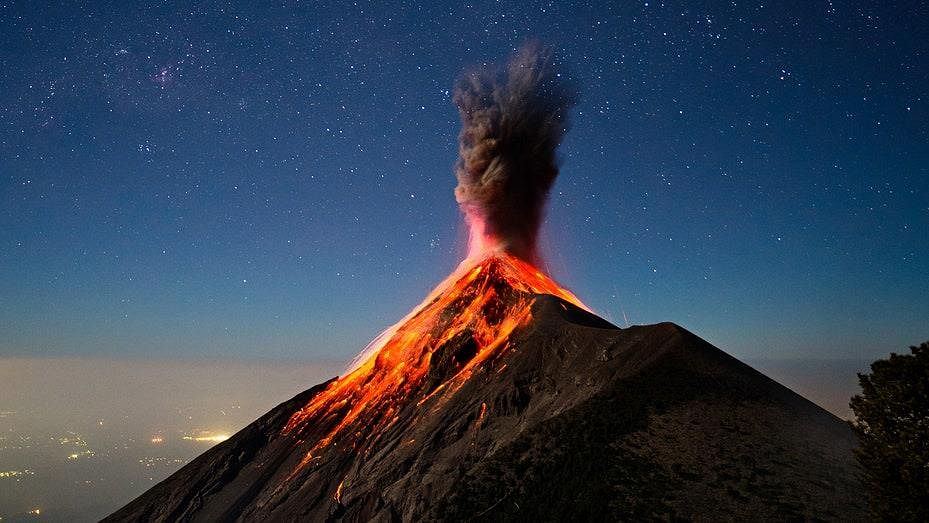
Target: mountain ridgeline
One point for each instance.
(503, 398)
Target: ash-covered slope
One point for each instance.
(563, 416)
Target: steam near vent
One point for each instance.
(513, 118)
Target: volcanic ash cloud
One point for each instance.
(513, 119)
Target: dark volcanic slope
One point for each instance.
(579, 420)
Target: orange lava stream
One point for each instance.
(484, 299)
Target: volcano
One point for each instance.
(502, 397)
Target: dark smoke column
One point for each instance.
(512, 121)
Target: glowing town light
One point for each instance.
(206, 437)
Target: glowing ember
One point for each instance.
(429, 354)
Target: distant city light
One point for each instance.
(81, 454)
(15, 473)
(157, 439)
(207, 436)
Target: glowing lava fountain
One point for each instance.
(513, 119)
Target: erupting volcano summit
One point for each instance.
(502, 396)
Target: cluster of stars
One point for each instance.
(277, 146)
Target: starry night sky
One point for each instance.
(258, 180)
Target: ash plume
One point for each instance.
(513, 118)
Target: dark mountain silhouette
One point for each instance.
(502, 398)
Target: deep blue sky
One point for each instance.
(276, 181)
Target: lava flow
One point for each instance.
(429, 354)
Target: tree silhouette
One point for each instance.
(892, 423)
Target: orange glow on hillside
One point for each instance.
(474, 310)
